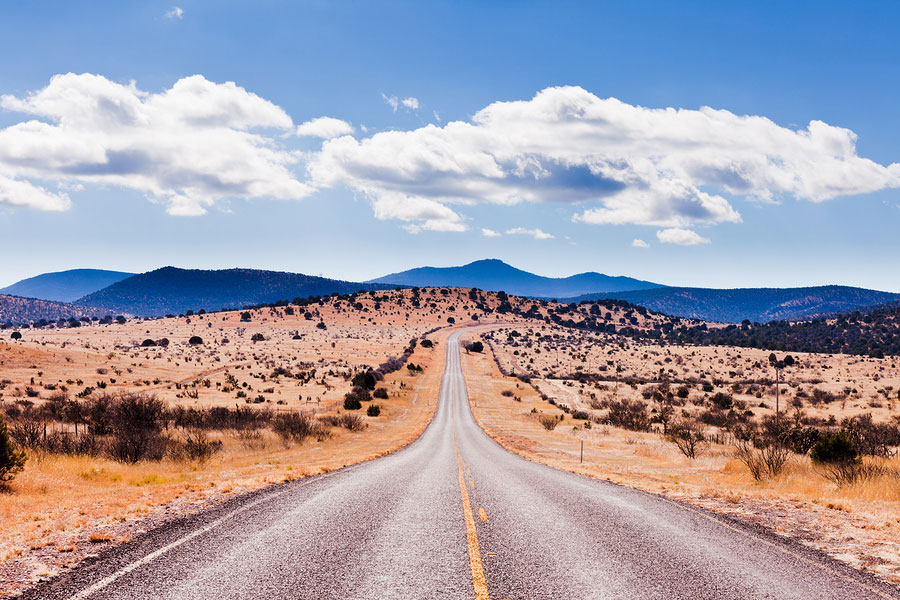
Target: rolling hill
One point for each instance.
(756, 304)
(170, 290)
(64, 286)
(18, 311)
(495, 275)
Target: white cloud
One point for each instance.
(682, 237)
(324, 127)
(621, 164)
(392, 101)
(175, 13)
(490, 233)
(535, 233)
(637, 243)
(23, 193)
(437, 117)
(185, 147)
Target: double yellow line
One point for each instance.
(478, 580)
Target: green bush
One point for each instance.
(381, 393)
(351, 402)
(365, 380)
(834, 448)
(374, 410)
(12, 461)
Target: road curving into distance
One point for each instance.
(454, 515)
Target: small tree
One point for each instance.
(688, 436)
(834, 448)
(135, 423)
(351, 402)
(195, 340)
(364, 379)
(374, 410)
(16, 336)
(475, 347)
(12, 461)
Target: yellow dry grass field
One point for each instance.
(858, 524)
(820, 385)
(64, 507)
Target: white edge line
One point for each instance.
(96, 587)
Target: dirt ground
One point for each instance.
(63, 508)
(857, 524)
(820, 385)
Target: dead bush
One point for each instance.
(298, 427)
(197, 446)
(348, 421)
(548, 422)
(629, 414)
(764, 459)
(688, 436)
(135, 428)
(847, 473)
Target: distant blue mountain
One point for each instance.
(495, 275)
(173, 290)
(755, 304)
(64, 286)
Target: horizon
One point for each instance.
(370, 279)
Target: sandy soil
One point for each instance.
(63, 508)
(859, 525)
(821, 385)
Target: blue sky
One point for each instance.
(719, 199)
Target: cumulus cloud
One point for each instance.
(490, 233)
(175, 13)
(23, 193)
(638, 243)
(324, 127)
(618, 163)
(682, 237)
(185, 147)
(535, 233)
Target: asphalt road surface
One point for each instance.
(456, 516)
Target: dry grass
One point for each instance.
(70, 503)
(852, 523)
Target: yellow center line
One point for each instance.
(478, 580)
(482, 515)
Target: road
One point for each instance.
(454, 515)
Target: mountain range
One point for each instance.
(754, 304)
(64, 286)
(495, 275)
(171, 290)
